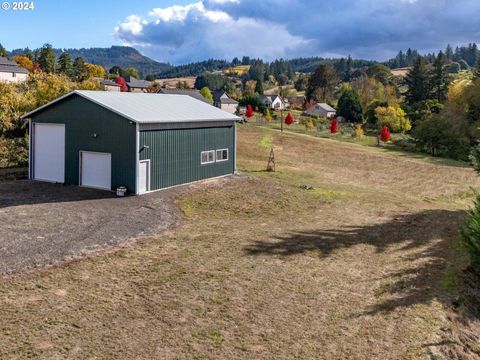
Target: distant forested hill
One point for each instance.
(122, 56)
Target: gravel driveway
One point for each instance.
(42, 224)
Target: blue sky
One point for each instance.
(191, 30)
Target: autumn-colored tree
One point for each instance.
(249, 112)
(207, 94)
(123, 84)
(392, 117)
(268, 116)
(334, 126)
(95, 70)
(385, 134)
(24, 62)
(289, 119)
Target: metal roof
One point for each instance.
(151, 108)
(326, 107)
(190, 92)
(11, 66)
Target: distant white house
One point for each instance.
(274, 102)
(11, 72)
(321, 109)
(224, 102)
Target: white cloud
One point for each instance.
(290, 28)
(181, 34)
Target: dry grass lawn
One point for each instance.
(344, 253)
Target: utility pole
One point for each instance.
(281, 119)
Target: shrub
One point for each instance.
(470, 234)
(13, 152)
(334, 126)
(309, 124)
(359, 132)
(385, 134)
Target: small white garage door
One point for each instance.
(49, 152)
(96, 170)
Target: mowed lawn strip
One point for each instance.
(341, 253)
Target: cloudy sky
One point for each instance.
(185, 31)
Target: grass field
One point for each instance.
(345, 252)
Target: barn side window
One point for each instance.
(222, 155)
(207, 157)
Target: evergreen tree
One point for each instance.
(418, 82)
(348, 71)
(349, 106)
(322, 83)
(3, 52)
(476, 74)
(80, 69)
(439, 79)
(259, 87)
(449, 53)
(46, 59)
(65, 65)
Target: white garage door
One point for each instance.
(96, 170)
(49, 152)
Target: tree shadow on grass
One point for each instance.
(422, 240)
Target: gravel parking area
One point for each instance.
(42, 224)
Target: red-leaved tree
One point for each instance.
(123, 84)
(249, 112)
(289, 119)
(384, 134)
(334, 126)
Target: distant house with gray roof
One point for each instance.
(136, 85)
(224, 102)
(11, 72)
(321, 109)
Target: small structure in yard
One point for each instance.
(321, 109)
(11, 72)
(144, 142)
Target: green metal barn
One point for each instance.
(144, 142)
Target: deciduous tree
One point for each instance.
(334, 126)
(385, 134)
(207, 94)
(289, 119)
(24, 62)
(249, 112)
(121, 81)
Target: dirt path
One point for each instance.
(43, 224)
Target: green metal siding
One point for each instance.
(175, 154)
(82, 119)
